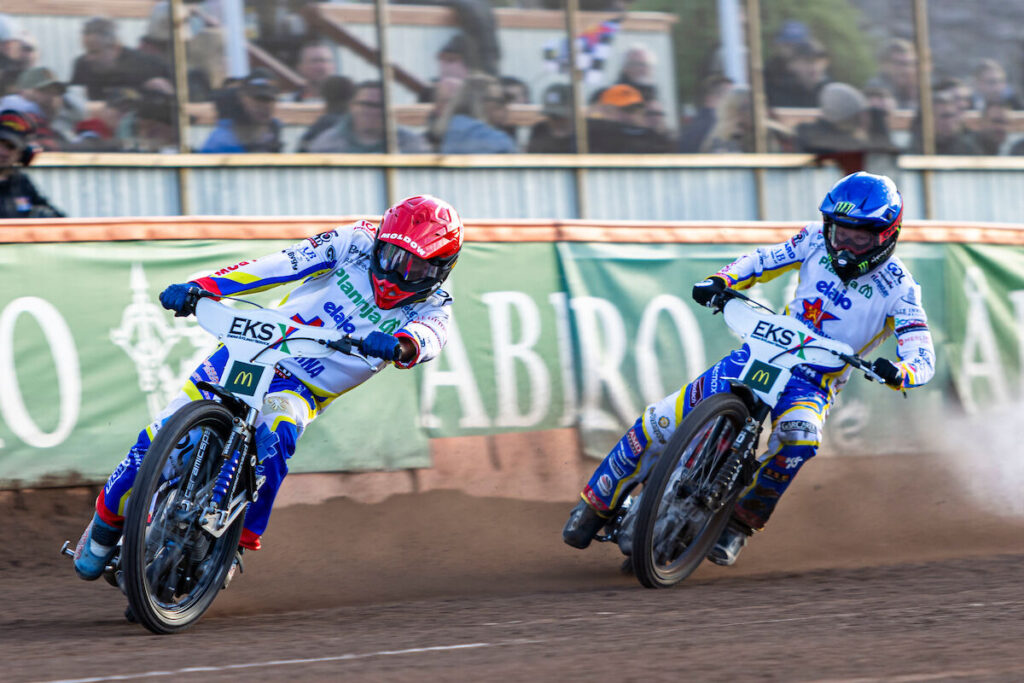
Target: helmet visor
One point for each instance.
(855, 240)
(392, 258)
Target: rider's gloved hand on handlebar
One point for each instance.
(176, 298)
(381, 345)
(889, 372)
(704, 291)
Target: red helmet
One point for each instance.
(416, 247)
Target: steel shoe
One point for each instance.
(95, 548)
(728, 546)
(584, 523)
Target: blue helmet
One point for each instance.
(862, 214)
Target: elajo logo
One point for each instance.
(844, 207)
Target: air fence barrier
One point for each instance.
(557, 326)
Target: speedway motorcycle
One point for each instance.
(668, 527)
(184, 518)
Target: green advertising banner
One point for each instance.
(544, 335)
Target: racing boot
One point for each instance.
(728, 546)
(584, 523)
(95, 549)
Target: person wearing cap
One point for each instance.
(618, 124)
(39, 96)
(843, 125)
(802, 74)
(250, 126)
(109, 64)
(554, 134)
(19, 198)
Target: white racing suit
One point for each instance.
(861, 312)
(336, 293)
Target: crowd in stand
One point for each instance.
(125, 99)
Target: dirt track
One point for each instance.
(873, 568)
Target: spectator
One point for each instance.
(713, 89)
(17, 53)
(951, 136)
(316, 64)
(40, 97)
(337, 93)
(617, 124)
(842, 125)
(802, 76)
(361, 131)
(99, 132)
(990, 86)
(456, 59)
(554, 134)
(156, 127)
(638, 71)
(898, 73)
(156, 41)
(516, 92)
(993, 129)
(468, 123)
(733, 131)
(108, 64)
(248, 124)
(18, 196)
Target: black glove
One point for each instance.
(885, 369)
(180, 299)
(704, 291)
(381, 345)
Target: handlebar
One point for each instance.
(347, 345)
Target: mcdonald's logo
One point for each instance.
(244, 378)
(761, 376)
(844, 207)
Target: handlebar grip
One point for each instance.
(346, 344)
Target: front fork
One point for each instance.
(741, 464)
(218, 517)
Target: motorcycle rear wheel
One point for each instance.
(173, 568)
(674, 530)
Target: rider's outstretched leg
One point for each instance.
(796, 434)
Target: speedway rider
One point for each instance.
(380, 284)
(852, 289)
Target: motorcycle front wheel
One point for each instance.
(674, 528)
(173, 568)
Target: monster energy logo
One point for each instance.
(844, 207)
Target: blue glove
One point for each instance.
(176, 298)
(381, 345)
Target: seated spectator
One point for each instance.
(457, 58)
(248, 124)
(713, 88)
(516, 92)
(554, 134)
(18, 196)
(617, 124)
(802, 76)
(843, 124)
(156, 41)
(638, 71)
(337, 93)
(951, 135)
(108, 64)
(99, 133)
(17, 53)
(990, 85)
(39, 95)
(897, 73)
(733, 131)
(316, 64)
(361, 131)
(469, 122)
(993, 128)
(156, 128)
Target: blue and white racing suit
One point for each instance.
(336, 293)
(862, 312)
